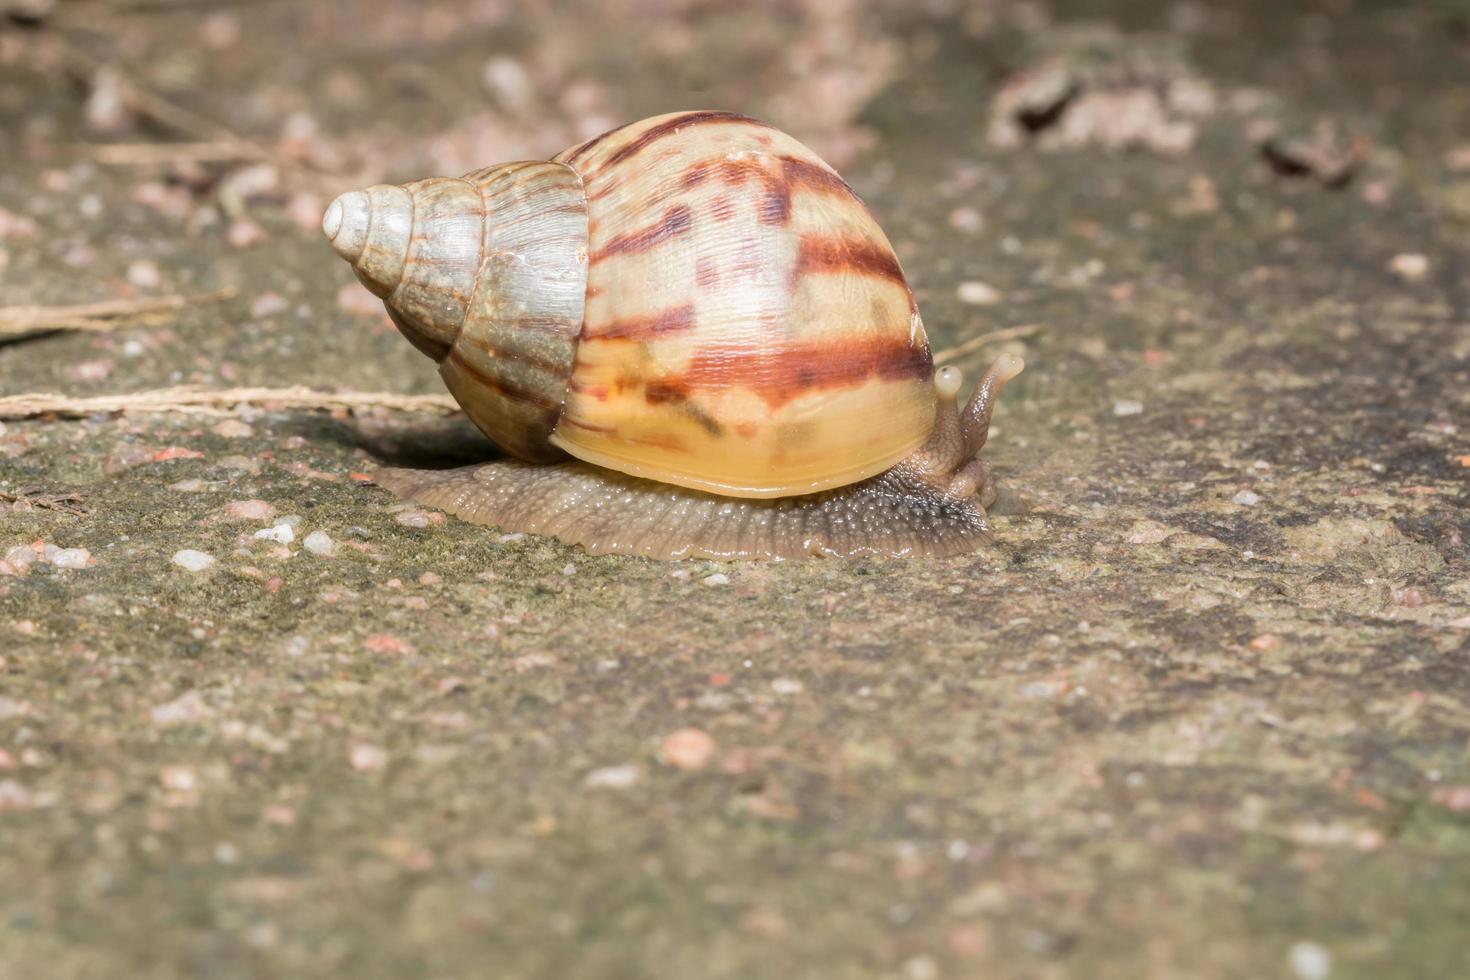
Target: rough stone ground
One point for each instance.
(1203, 710)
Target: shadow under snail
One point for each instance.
(694, 341)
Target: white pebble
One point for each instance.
(978, 293)
(1123, 408)
(1409, 266)
(613, 777)
(71, 558)
(319, 543)
(194, 561)
(1310, 961)
(718, 578)
(1246, 498)
(366, 757)
(281, 534)
(786, 685)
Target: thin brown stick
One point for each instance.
(113, 314)
(205, 401)
(152, 154)
(985, 339)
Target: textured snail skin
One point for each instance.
(931, 504)
(701, 312)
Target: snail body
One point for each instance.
(693, 338)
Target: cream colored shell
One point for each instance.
(747, 328)
(695, 298)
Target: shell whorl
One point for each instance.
(486, 274)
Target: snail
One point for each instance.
(692, 339)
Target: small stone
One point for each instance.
(787, 685)
(412, 518)
(718, 578)
(14, 797)
(280, 534)
(71, 558)
(978, 293)
(97, 370)
(1409, 266)
(613, 777)
(20, 558)
(1456, 798)
(268, 304)
(1310, 961)
(1246, 498)
(688, 748)
(194, 561)
(366, 757)
(966, 219)
(175, 452)
(179, 777)
(144, 274)
(1127, 407)
(233, 429)
(245, 232)
(249, 510)
(319, 543)
(240, 464)
(184, 709)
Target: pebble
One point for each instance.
(187, 707)
(978, 293)
(268, 304)
(245, 232)
(242, 464)
(1310, 961)
(194, 561)
(613, 777)
(688, 748)
(366, 757)
(144, 274)
(1125, 408)
(249, 510)
(233, 429)
(718, 578)
(70, 558)
(412, 518)
(319, 543)
(786, 685)
(1409, 266)
(966, 219)
(1246, 498)
(14, 797)
(281, 534)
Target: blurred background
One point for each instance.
(1201, 711)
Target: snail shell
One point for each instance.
(698, 310)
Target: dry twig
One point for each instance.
(985, 339)
(205, 401)
(114, 314)
(31, 498)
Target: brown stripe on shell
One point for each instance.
(820, 255)
(644, 328)
(794, 175)
(670, 126)
(577, 152)
(507, 390)
(781, 374)
(676, 221)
